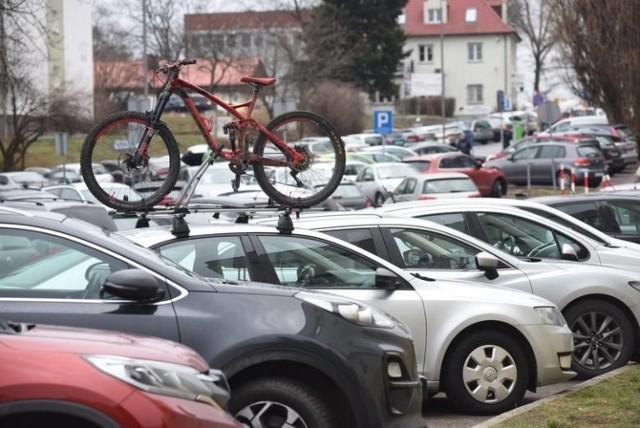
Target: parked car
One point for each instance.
(621, 136)
(26, 195)
(370, 139)
(22, 179)
(79, 192)
(101, 173)
(284, 351)
(437, 185)
(379, 180)
(72, 377)
(490, 181)
(565, 124)
(397, 151)
(543, 163)
(175, 104)
(615, 213)
(442, 253)
(482, 131)
(451, 333)
(432, 147)
(90, 213)
(520, 232)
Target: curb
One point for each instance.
(520, 410)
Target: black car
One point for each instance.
(292, 358)
(615, 213)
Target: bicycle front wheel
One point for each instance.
(113, 142)
(315, 179)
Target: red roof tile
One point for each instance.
(487, 21)
(240, 20)
(128, 75)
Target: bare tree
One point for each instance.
(532, 19)
(596, 41)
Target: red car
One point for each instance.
(72, 378)
(490, 181)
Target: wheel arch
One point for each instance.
(46, 408)
(502, 327)
(336, 388)
(618, 304)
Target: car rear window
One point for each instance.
(420, 165)
(588, 151)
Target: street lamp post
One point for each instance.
(442, 67)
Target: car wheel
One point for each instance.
(379, 200)
(279, 403)
(497, 190)
(486, 374)
(602, 338)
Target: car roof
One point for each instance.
(588, 196)
(92, 214)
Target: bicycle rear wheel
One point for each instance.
(115, 139)
(320, 173)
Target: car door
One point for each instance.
(310, 263)
(546, 163)
(366, 181)
(433, 254)
(60, 284)
(514, 167)
(407, 190)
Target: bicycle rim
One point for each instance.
(114, 140)
(320, 173)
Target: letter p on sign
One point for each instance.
(383, 121)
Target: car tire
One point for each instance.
(599, 327)
(499, 387)
(276, 402)
(497, 190)
(378, 200)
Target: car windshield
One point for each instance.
(422, 165)
(395, 171)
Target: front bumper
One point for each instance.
(552, 347)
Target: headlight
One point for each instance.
(551, 315)
(350, 310)
(163, 378)
(635, 284)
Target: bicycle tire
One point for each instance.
(115, 138)
(322, 172)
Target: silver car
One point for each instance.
(595, 300)
(483, 345)
(522, 233)
(378, 180)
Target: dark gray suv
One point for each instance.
(293, 358)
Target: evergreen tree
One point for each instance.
(373, 37)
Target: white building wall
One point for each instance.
(460, 72)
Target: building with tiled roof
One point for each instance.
(273, 36)
(467, 40)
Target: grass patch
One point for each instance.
(612, 402)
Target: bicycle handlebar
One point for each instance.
(174, 66)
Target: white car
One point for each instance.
(20, 179)
(80, 192)
(595, 300)
(481, 344)
(101, 172)
(437, 185)
(521, 233)
(377, 181)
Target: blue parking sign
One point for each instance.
(383, 121)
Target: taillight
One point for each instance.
(425, 197)
(475, 195)
(582, 162)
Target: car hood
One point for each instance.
(46, 338)
(477, 292)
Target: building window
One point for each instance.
(246, 40)
(257, 40)
(425, 53)
(471, 15)
(475, 51)
(231, 41)
(474, 94)
(434, 15)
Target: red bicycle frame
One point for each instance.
(239, 155)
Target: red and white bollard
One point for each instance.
(562, 179)
(586, 180)
(573, 181)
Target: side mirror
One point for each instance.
(387, 280)
(569, 253)
(133, 284)
(488, 263)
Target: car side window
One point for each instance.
(524, 154)
(365, 175)
(39, 265)
(425, 250)
(551, 152)
(627, 216)
(359, 237)
(309, 263)
(407, 187)
(524, 238)
(586, 212)
(210, 257)
(467, 162)
(453, 220)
